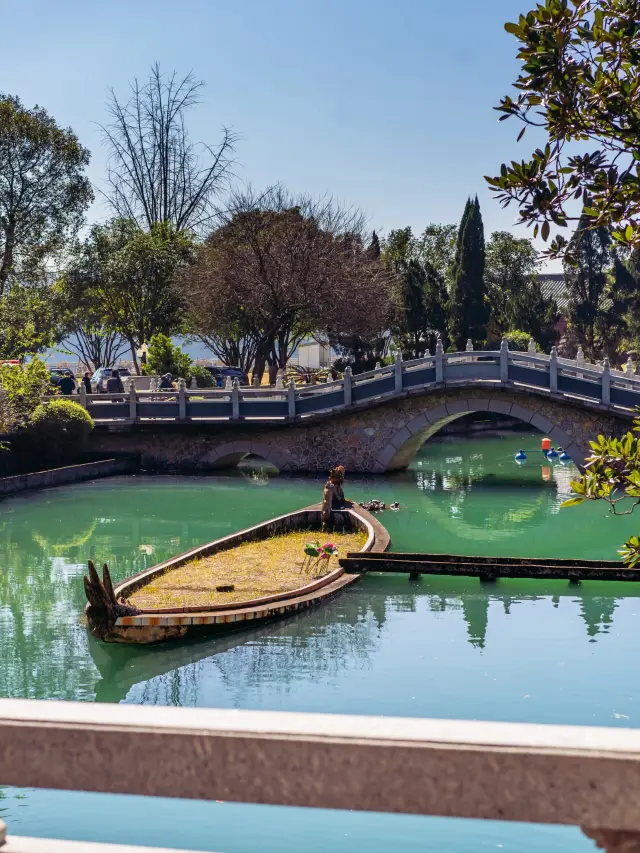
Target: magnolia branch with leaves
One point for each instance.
(580, 84)
(612, 474)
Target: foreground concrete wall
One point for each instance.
(68, 474)
(384, 437)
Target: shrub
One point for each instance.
(58, 429)
(21, 387)
(518, 342)
(203, 377)
(165, 357)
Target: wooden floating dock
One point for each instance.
(489, 568)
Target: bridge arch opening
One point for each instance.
(403, 446)
(244, 454)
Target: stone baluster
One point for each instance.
(153, 384)
(469, 347)
(235, 400)
(378, 365)
(291, 399)
(347, 384)
(629, 370)
(182, 399)
(228, 385)
(133, 402)
(279, 382)
(255, 380)
(193, 385)
(553, 370)
(606, 382)
(504, 360)
(580, 362)
(82, 394)
(531, 347)
(439, 361)
(398, 372)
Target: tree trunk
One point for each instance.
(7, 258)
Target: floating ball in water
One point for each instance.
(520, 456)
(564, 456)
(552, 454)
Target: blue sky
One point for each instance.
(386, 105)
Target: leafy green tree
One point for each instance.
(128, 277)
(537, 315)
(30, 319)
(165, 357)
(511, 265)
(22, 388)
(579, 82)
(437, 249)
(43, 191)
(420, 295)
(468, 306)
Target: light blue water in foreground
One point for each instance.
(440, 647)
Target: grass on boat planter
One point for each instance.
(256, 569)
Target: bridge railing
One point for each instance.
(587, 777)
(563, 378)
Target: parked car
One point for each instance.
(99, 378)
(220, 375)
(56, 374)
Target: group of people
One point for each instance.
(67, 384)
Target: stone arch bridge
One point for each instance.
(372, 437)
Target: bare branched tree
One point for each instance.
(278, 268)
(155, 172)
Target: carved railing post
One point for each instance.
(469, 347)
(347, 382)
(553, 370)
(606, 382)
(504, 360)
(279, 381)
(235, 400)
(193, 385)
(439, 361)
(228, 384)
(291, 399)
(153, 385)
(133, 403)
(531, 347)
(398, 372)
(378, 365)
(580, 361)
(82, 394)
(182, 399)
(629, 370)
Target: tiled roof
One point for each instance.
(553, 286)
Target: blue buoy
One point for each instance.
(520, 456)
(552, 454)
(564, 456)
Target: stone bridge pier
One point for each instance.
(382, 437)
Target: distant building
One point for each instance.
(313, 354)
(553, 286)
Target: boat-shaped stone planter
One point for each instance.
(113, 620)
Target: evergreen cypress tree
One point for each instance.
(468, 304)
(374, 246)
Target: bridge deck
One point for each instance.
(489, 568)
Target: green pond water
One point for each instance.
(533, 651)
